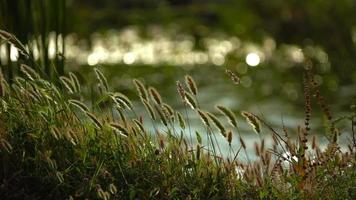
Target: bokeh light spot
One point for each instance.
(252, 59)
(129, 58)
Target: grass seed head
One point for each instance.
(168, 110)
(67, 83)
(203, 117)
(252, 120)
(14, 41)
(75, 81)
(95, 120)
(190, 83)
(198, 152)
(198, 137)
(79, 105)
(102, 79)
(29, 72)
(217, 123)
(233, 76)
(189, 99)
(139, 125)
(141, 89)
(181, 120)
(120, 129)
(156, 97)
(149, 109)
(229, 137)
(161, 115)
(122, 101)
(229, 114)
(181, 91)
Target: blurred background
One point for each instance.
(266, 43)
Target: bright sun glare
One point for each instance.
(252, 59)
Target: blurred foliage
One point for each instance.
(310, 26)
(325, 23)
(328, 25)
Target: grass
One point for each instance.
(55, 146)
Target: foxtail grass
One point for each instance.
(54, 146)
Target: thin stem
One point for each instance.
(246, 155)
(353, 131)
(189, 127)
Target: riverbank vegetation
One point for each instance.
(57, 144)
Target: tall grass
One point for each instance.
(54, 146)
(41, 26)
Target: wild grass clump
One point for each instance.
(55, 146)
